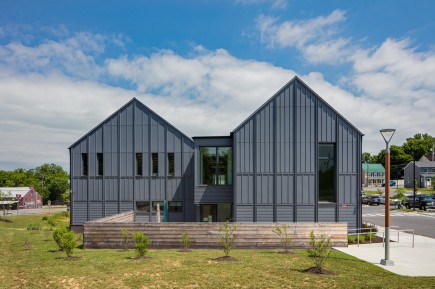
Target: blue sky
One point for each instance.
(207, 65)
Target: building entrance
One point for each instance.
(216, 212)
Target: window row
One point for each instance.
(173, 206)
(139, 164)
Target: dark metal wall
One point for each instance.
(275, 160)
(133, 129)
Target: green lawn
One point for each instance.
(29, 260)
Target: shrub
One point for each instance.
(185, 240)
(141, 243)
(57, 236)
(284, 235)
(68, 242)
(44, 218)
(370, 236)
(320, 250)
(34, 226)
(125, 235)
(361, 239)
(227, 237)
(351, 239)
(51, 222)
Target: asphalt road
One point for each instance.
(423, 223)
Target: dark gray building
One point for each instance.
(294, 159)
(424, 172)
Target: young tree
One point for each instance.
(185, 240)
(284, 235)
(226, 238)
(141, 242)
(320, 251)
(68, 242)
(125, 236)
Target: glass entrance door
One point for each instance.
(216, 212)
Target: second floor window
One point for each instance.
(100, 164)
(155, 164)
(216, 166)
(84, 164)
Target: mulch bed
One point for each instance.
(318, 271)
(184, 250)
(285, 252)
(5, 220)
(225, 259)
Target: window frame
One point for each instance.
(100, 164)
(334, 171)
(171, 164)
(85, 164)
(215, 174)
(154, 164)
(139, 164)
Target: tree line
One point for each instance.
(49, 180)
(412, 149)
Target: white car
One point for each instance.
(382, 200)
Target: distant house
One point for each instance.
(372, 175)
(427, 158)
(424, 171)
(27, 197)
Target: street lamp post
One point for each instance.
(387, 134)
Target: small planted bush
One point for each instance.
(125, 236)
(226, 238)
(320, 251)
(284, 235)
(141, 243)
(68, 242)
(57, 236)
(185, 240)
(351, 239)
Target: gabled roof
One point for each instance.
(132, 101)
(294, 80)
(420, 164)
(11, 192)
(373, 168)
(428, 157)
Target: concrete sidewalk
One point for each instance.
(408, 261)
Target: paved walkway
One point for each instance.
(408, 261)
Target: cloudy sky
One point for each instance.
(207, 65)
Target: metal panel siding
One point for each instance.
(284, 214)
(245, 213)
(96, 189)
(285, 189)
(327, 213)
(80, 213)
(126, 189)
(306, 189)
(348, 214)
(189, 211)
(245, 189)
(141, 189)
(126, 206)
(96, 210)
(111, 208)
(81, 191)
(265, 189)
(326, 123)
(305, 213)
(265, 214)
(213, 194)
(111, 189)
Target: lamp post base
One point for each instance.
(387, 262)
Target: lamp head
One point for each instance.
(387, 133)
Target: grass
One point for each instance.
(28, 260)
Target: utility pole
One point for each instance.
(415, 183)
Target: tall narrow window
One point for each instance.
(155, 164)
(138, 164)
(100, 164)
(327, 173)
(171, 164)
(225, 166)
(208, 160)
(84, 164)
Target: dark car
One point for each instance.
(373, 200)
(422, 202)
(364, 199)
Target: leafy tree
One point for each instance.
(418, 145)
(58, 235)
(125, 236)
(52, 181)
(68, 242)
(185, 240)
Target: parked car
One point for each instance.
(422, 202)
(382, 200)
(392, 183)
(364, 199)
(373, 200)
